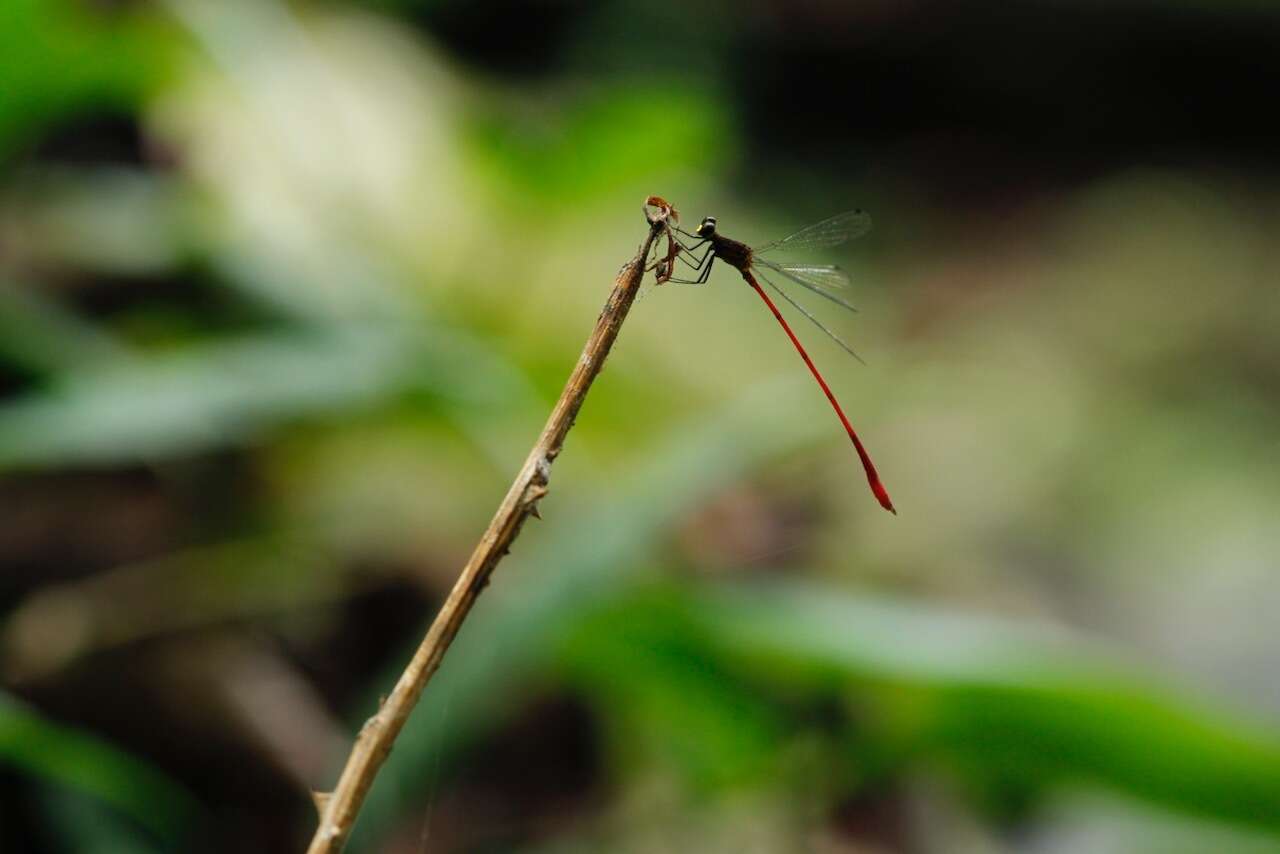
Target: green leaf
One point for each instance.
(64, 756)
(1006, 699)
(88, 826)
(203, 396)
(647, 663)
(56, 56)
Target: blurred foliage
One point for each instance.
(286, 290)
(62, 756)
(57, 58)
(594, 144)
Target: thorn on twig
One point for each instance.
(534, 493)
(321, 801)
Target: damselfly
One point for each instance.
(825, 280)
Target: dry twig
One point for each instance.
(338, 810)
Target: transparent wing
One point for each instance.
(824, 280)
(825, 234)
(826, 276)
(818, 323)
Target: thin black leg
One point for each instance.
(688, 251)
(701, 240)
(706, 271)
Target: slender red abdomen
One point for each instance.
(873, 477)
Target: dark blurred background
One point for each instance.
(288, 289)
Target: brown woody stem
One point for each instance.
(338, 810)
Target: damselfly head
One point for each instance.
(706, 228)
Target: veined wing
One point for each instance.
(825, 234)
(827, 276)
(815, 321)
(825, 280)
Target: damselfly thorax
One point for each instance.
(735, 254)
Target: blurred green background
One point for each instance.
(288, 290)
